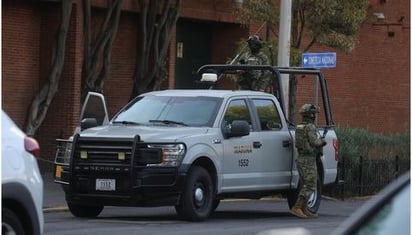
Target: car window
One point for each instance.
(237, 110)
(268, 114)
(392, 218)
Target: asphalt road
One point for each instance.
(231, 217)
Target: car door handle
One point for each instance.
(286, 143)
(257, 144)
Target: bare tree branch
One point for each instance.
(108, 47)
(157, 18)
(42, 100)
(310, 44)
(301, 28)
(99, 50)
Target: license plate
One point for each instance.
(105, 185)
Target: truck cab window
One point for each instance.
(268, 114)
(237, 110)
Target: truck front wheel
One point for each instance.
(84, 211)
(196, 201)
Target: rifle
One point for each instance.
(323, 136)
(244, 47)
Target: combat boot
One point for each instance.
(297, 209)
(308, 213)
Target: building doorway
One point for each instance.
(193, 49)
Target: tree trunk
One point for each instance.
(293, 84)
(99, 50)
(157, 18)
(41, 102)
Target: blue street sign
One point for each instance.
(319, 60)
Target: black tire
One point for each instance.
(11, 223)
(196, 201)
(315, 198)
(292, 196)
(216, 203)
(313, 201)
(84, 211)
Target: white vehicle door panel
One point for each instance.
(94, 106)
(242, 164)
(276, 140)
(240, 169)
(277, 159)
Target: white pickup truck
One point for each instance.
(190, 149)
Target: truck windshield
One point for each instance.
(168, 110)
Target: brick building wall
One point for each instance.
(369, 88)
(20, 57)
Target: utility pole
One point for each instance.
(284, 47)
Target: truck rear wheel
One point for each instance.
(216, 203)
(196, 201)
(313, 200)
(84, 211)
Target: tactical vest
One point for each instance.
(302, 140)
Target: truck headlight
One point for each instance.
(63, 152)
(172, 154)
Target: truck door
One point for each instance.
(241, 163)
(93, 110)
(276, 157)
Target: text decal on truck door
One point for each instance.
(243, 162)
(243, 149)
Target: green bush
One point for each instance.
(369, 161)
(356, 142)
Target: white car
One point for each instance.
(22, 184)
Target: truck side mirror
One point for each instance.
(238, 128)
(88, 123)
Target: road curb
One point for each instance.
(55, 209)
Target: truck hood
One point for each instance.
(146, 133)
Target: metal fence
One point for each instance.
(363, 176)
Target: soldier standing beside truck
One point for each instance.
(307, 143)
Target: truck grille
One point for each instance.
(119, 160)
(104, 151)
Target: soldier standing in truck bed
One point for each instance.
(257, 80)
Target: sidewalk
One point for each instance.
(53, 195)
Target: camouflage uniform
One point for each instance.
(308, 144)
(257, 79)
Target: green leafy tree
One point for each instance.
(332, 23)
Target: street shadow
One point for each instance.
(247, 214)
(172, 216)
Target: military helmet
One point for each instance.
(308, 109)
(255, 41)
